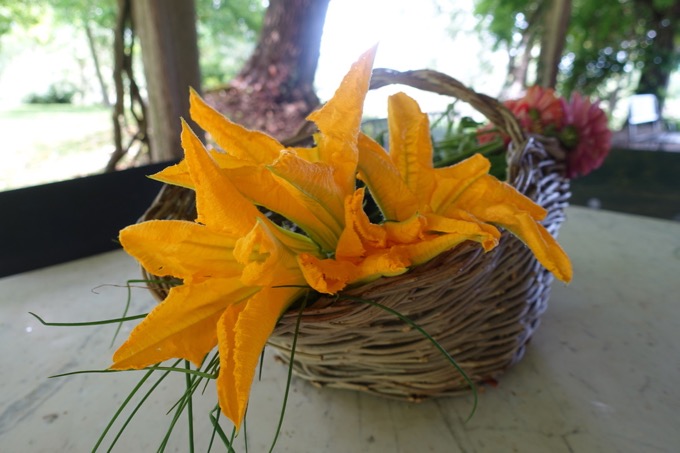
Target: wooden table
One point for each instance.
(601, 374)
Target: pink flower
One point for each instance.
(538, 112)
(580, 126)
(489, 133)
(585, 135)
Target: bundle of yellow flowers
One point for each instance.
(240, 271)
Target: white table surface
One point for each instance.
(602, 374)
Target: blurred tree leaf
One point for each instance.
(227, 33)
(22, 14)
(606, 40)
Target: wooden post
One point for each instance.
(167, 34)
(555, 27)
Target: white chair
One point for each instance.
(644, 109)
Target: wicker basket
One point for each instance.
(481, 307)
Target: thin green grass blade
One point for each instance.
(245, 430)
(125, 311)
(87, 323)
(71, 373)
(436, 344)
(211, 368)
(185, 402)
(137, 407)
(290, 374)
(171, 427)
(231, 439)
(259, 373)
(217, 429)
(122, 406)
(190, 407)
(160, 368)
(175, 282)
(190, 372)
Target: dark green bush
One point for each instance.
(57, 93)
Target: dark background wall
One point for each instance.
(62, 221)
(633, 181)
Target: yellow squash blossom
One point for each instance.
(463, 193)
(427, 210)
(308, 186)
(233, 263)
(239, 271)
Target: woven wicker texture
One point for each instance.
(481, 307)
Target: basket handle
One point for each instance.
(437, 82)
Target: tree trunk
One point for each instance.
(129, 102)
(167, 33)
(97, 66)
(274, 91)
(518, 66)
(556, 22)
(285, 59)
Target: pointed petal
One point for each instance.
(454, 180)
(176, 175)
(422, 252)
(295, 242)
(314, 187)
(182, 326)
(340, 117)
(332, 275)
(227, 396)
(407, 231)
(326, 276)
(265, 259)
(488, 191)
(339, 122)
(242, 333)
(382, 263)
(411, 145)
(251, 146)
(263, 188)
(487, 229)
(359, 233)
(376, 169)
(486, 235)
(544, 247)
(493, 201)
(181, 249)
(218, 202)
(311, 154)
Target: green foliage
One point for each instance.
(227, 32)
(231, 17)
(23, 14)
(505, 18)
(227, 29)
(606, 40)
(57, 93)
(98, 13)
